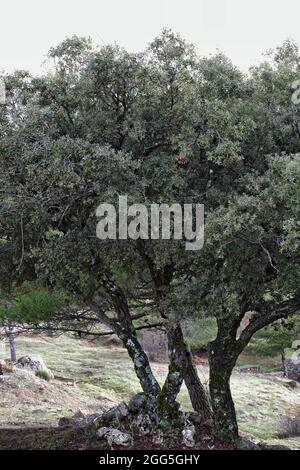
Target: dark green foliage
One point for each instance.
(107, 122)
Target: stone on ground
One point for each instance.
(33, 363)
(114, 436)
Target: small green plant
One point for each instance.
(43, 374)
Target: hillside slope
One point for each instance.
(90, 378)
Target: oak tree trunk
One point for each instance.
(222, 358)
(11, 340)
(198, 396)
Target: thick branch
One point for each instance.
(266, 317)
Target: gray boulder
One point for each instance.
(246, 444)
(188, 435)
(292, 361)
(76, 421)
(293, 384)
(33, 363)
(292, 369)
(114, 415)
(114, 436)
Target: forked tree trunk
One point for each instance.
(198, 396)
(156, 400)
(168, 405)
(160, 402)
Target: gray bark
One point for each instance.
(198, 395)
(11, 340)
(222, 359)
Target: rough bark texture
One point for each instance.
(180, 356)
(171, 388)
(160, 403)
(11, 340)
(226, 348)
(179, 349)
(144, 373)
(221, 362)
(126, 331)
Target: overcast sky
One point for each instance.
(243, 29)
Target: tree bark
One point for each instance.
(11, 340)
(125, 330)
(171, 388)
(222, 358)
(223, 353)
(149, 384)
(160, 402)
(179, 353)
(179, 349)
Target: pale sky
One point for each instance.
(243, 29)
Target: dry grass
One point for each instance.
(92, 378)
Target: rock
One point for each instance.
(246, 444)
(96, 420)
(136, 403)
(77, 420)
(188, 434)
(292, 369)
(114, 436)
(250, 368)
(263, 446)
(194, 418)
(33, 363)
(114, 415)
(293, 384)
(5, 367)
(102, 431)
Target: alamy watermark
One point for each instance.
(158, 221)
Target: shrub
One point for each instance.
(43, 374)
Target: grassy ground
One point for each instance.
(92, 378)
